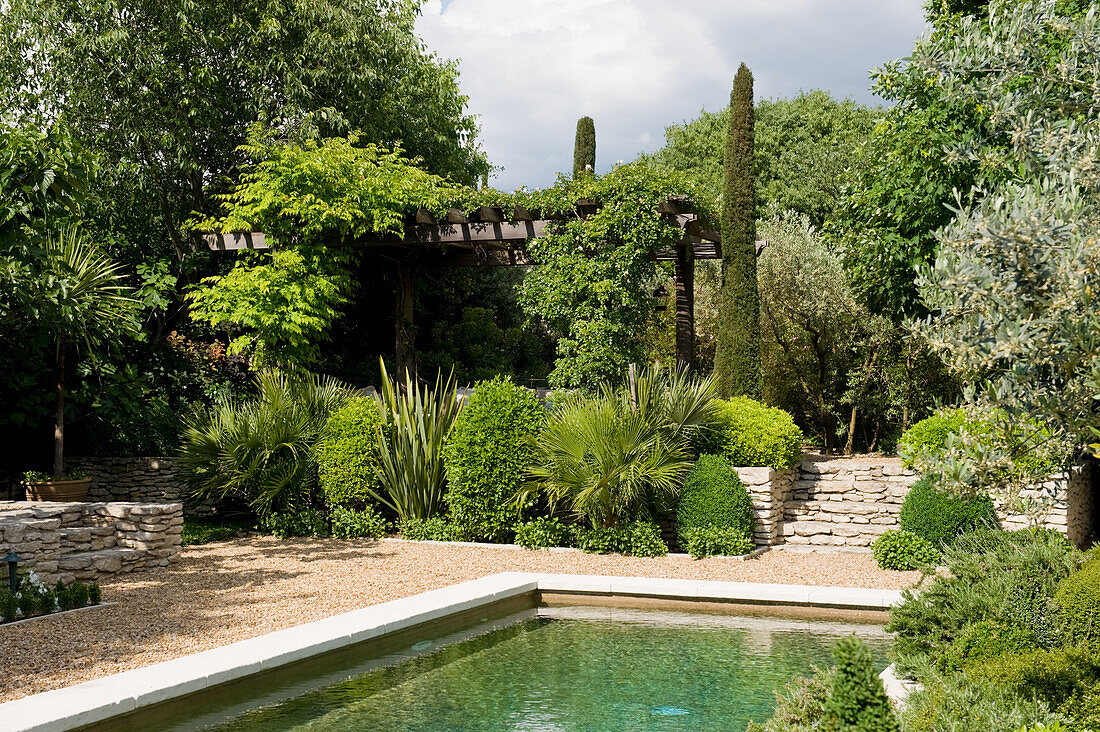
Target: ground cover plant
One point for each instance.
(206, 529)
(32, 598)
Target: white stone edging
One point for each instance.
(56, 614)
(897, 688)
(100, 699)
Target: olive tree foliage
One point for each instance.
(1013, 290)
(840, 369)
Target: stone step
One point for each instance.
(82, 565)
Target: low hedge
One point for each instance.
(713, 496)
(750, 434)
(348, 523)
(542, 533)
(902, 551)
(939, 516)
(347, 454)
(639, 539)
(713, 541)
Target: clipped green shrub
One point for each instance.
(750, 434)
(930, 434)
(939, 516)
(347, 454)
(988, 639)
(713, 496)
(486, 454)
(902, 551)
(1078, 602)
(347, 523)
(711, 541)
(285, 524)
(857, 701)
(639, 539)
(436, 528)
(546, 532)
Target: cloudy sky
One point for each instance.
(532, 67)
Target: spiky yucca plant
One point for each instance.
(261, 450)
(417, 420)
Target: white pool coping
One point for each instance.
(101, 699)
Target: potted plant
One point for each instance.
(79, 299)
(72, 486)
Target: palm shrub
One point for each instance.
(714, 497)
(79, 298)
(683, 405)
(416, 422)
(604, 463)
(261, 450)
(347, 453)
(485, 456)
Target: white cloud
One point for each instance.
(532, 67)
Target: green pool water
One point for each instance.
(564, 669)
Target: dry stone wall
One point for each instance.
(131, 479)
(90, 541)
(849, 502)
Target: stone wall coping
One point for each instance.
(101, 699)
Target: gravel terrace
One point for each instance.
(229, 591)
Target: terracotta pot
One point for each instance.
(57, 490)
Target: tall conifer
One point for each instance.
(737, 355)
(584, 147)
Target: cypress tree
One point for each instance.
(737, 352)
(584, 147)
(857, 702)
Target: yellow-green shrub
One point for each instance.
(347, 454)
(750, 434)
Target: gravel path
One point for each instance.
(229, 591)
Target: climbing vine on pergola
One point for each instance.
(307, 209)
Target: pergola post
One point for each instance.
(685, 304)
(403, 319)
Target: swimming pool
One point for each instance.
(553, 669)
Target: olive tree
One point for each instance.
(1013, 291)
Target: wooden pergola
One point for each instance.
(493, 237)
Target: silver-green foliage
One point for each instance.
(261, 450)
(1013, 290)
(417, 418)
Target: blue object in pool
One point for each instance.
(422, 645)
(669, 712)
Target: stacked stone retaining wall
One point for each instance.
(131, 479)
(849, 502)
(90, 541)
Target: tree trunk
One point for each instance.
(850, 444)
(59, 416)
(403, 346)
(685, 305)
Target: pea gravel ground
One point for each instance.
(229, 591)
